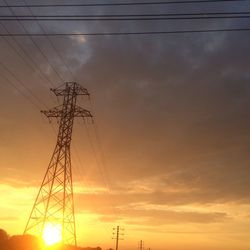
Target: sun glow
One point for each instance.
(52, 233)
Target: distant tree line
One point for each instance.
(28, 242)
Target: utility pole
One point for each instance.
(116, 236)
(141, 245)
(54, 203)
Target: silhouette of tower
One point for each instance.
(54, 203)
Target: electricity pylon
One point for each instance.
(117, 236)
(54, 203)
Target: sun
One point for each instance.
(52, 233)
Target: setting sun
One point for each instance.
(52, 233)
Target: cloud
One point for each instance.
(156, 217)
(169, 103)
(8, 218)
(79, 39)
(173, 119)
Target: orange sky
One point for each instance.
(170, 162)
(174, 216)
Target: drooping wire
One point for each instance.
(35, 44)
(101, 161)
(82, 179)
(95, 153)
(51, 43)
(100, 165)
(33, 66)
(162, 18)
(34, 17)
(80, 174)
(100, 147)
(132, 33)
(20, 91)
(135, 3)
(5, 67)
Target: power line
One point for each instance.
(19, 90)
(127, 33)
(128, 15)
(35, 43)
(33, 64)
(51, 43)
(121, 4)
(6, 68)
(155, 18)
(27, 62)
(99, 159)
(83, 181)
(100, 147)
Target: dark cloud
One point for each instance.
(129, 212)
(175, 103)
(154, 217)
(172, 113)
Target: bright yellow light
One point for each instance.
(52, 233)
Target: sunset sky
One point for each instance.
(167, 157)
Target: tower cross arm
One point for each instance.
(76, 89)
(55, 112)
(81, 112)
(58, 112)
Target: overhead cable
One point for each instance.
(135, 3)
(128, 19)
(127, 33)
(35, 43)
(130, 15)
(44, 30)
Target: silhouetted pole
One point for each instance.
(141, 245)
(116, 236)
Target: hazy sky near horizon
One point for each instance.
(168, 157)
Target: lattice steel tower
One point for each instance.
(54, 202)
